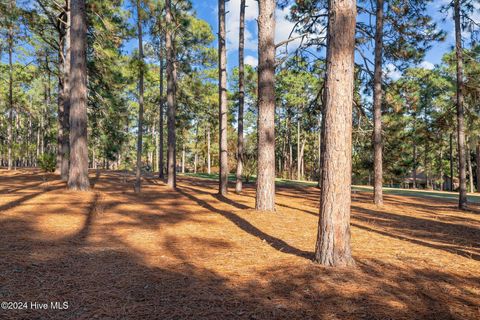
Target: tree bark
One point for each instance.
(209, 163)
(138, 173)
(78, 171)
(377, 107)
(171, 144)
(470, 171)
(477, 158)
(451, 162)
(265, 196)
(462, 197)
(10, 89)
(160, 107)
(64, 167)
(299, 158)
(241, 97)
(222, 97)
(333, 241)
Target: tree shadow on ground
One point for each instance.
(103, 276)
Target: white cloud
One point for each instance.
(233, 24)
(251, 60)
(282, 30)
(392, 72)
(426, 65)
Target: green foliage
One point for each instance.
(47, 162)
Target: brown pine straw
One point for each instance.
(190, 254)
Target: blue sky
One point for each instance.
(207, 10)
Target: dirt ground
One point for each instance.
(112, 254)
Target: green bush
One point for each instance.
(47, 162)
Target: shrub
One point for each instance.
(47, 162)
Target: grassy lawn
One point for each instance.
(445, 195)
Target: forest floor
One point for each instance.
(163, 254)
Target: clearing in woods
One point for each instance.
(190, 253)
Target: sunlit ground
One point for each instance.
(189, 253)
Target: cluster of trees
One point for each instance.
(72, 87)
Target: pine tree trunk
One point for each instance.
(209, 161)
(78, 171)
(462, 197)
(414, 142)
(222, 93)
(61, 113)
(160, 107)
(377, 107)
(138, 172)
(183, 158)
(171, 144)
(241, 97)
(64, 167)
(477, 158)
(441, 166)
(299, 159)
(451, 162)
(265, 196)
(470, 171)
(10, 90)
(333, 241)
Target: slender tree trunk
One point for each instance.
(222, 93)
(470, 171)
(477, 158)
(441, 166)
(183, 158)
(299, 159)
(195, 160)
(462, 197)
(377, 107)
(61, 96)
(160, 107)
(209, 163)
(451, 162)
(265, 197)
(241, 97)
(78, 171)
(138, 173)
(64, 167)
(333, 241)
(171, 144)
(302, 160)
(319, 181)
(10, 90)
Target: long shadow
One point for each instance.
(444, 234)
(29, 196)
(246, 226)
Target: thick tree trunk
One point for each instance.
(477, 158)
(160, 116)
(333, 241)
(265, 197)
(222, 97)
(138, 172)
(241, 97)
(64, 167)
(171, 144)
(462, 197)
(78, 171)
(377, 107)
